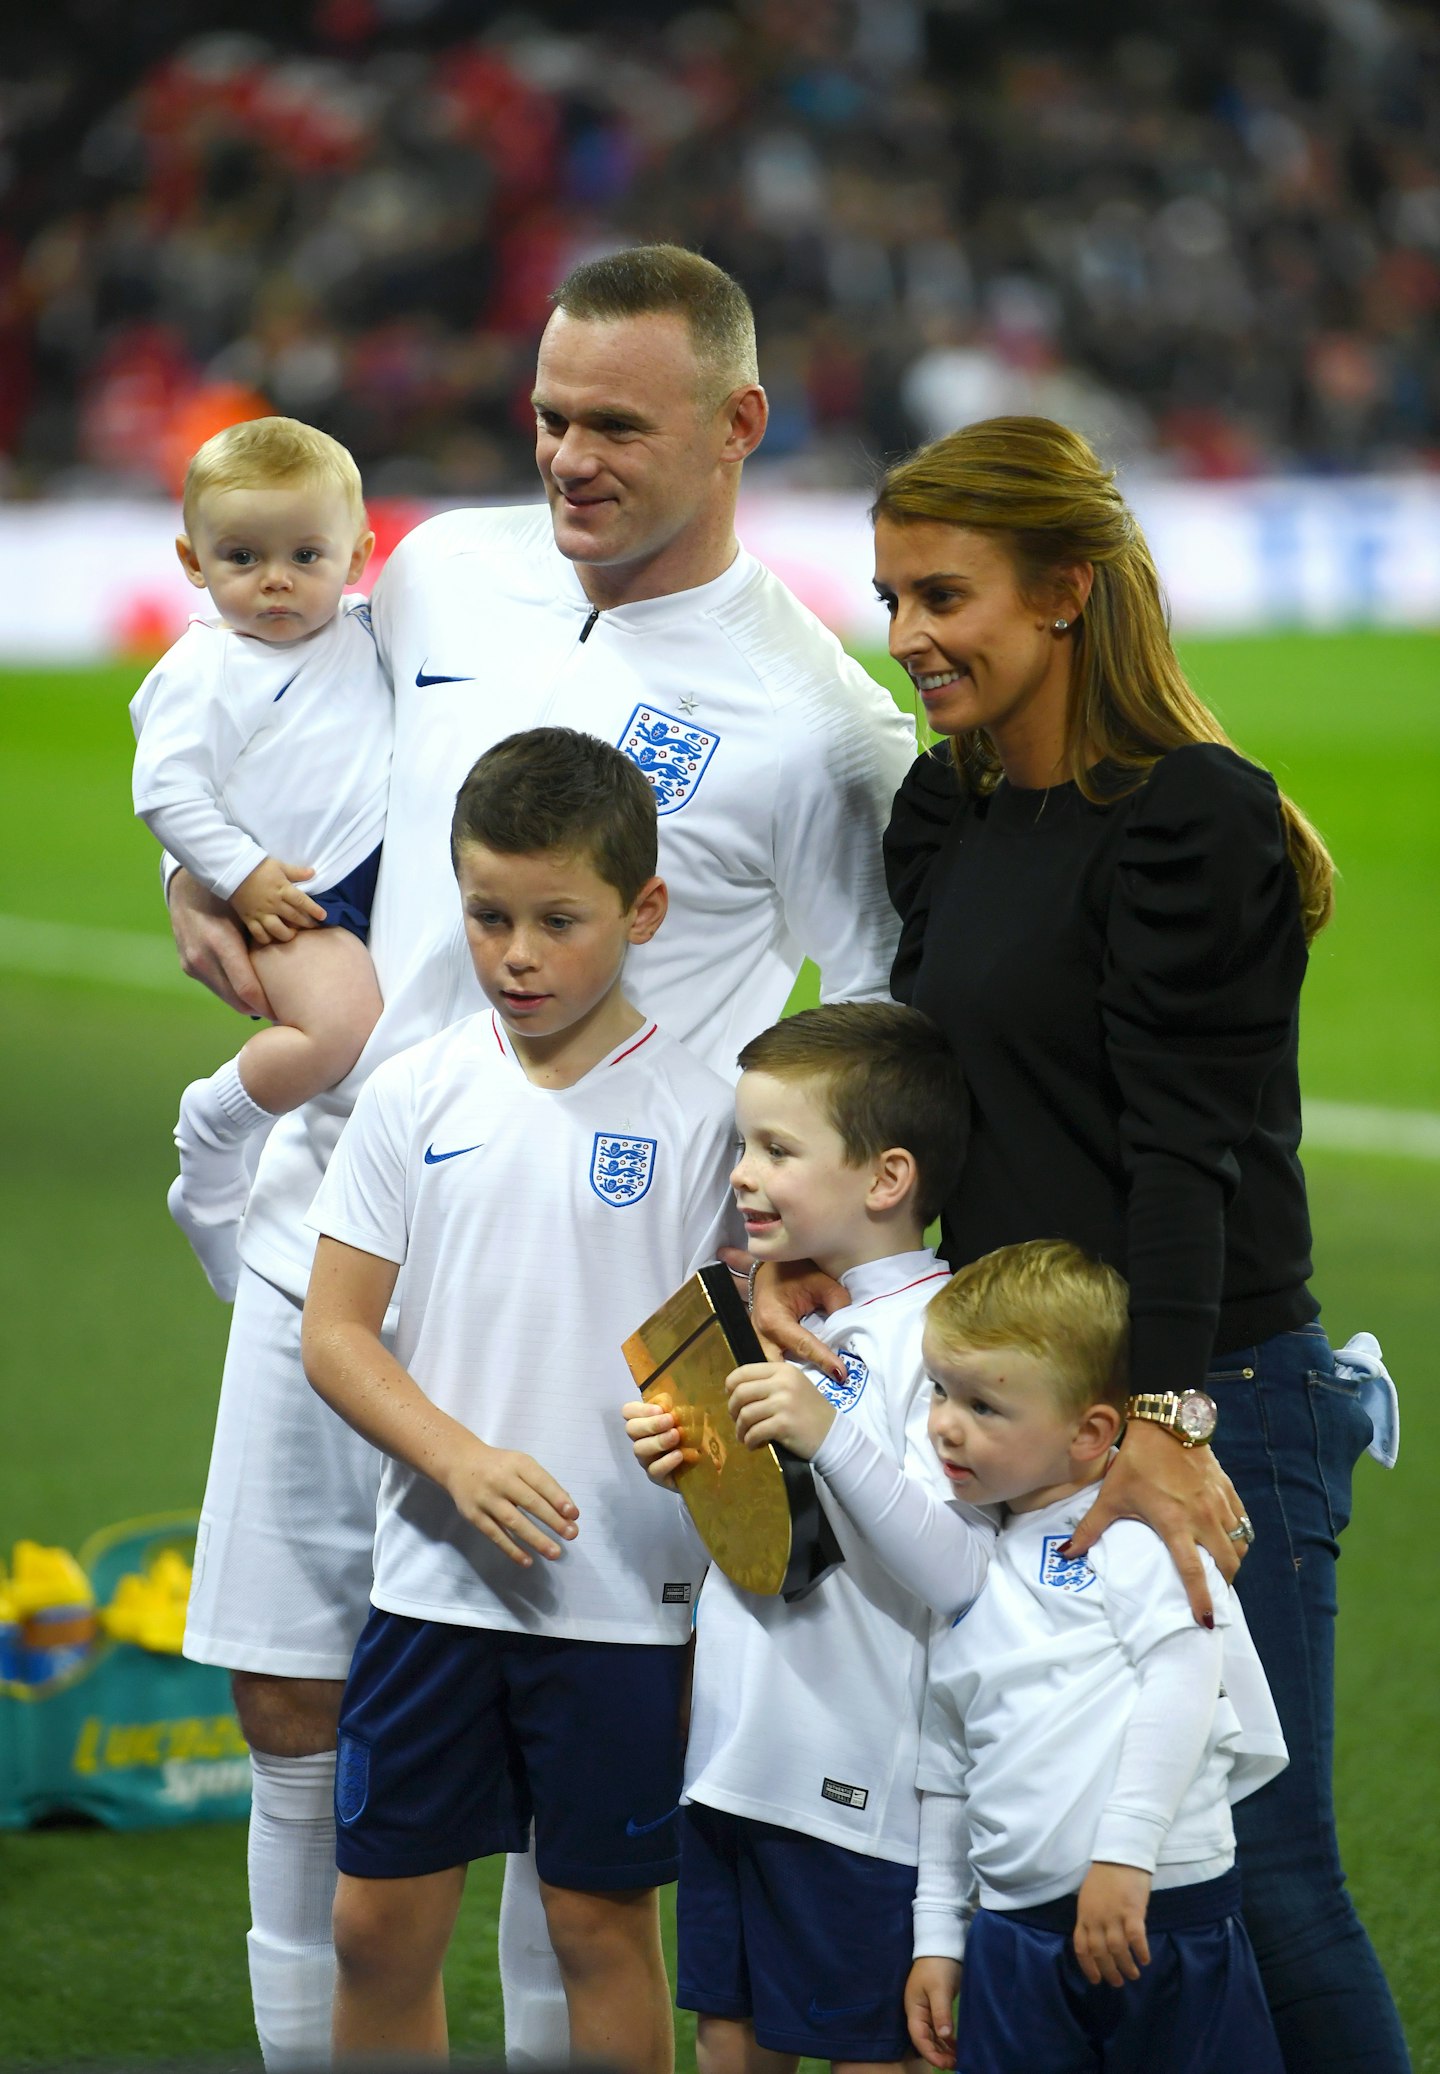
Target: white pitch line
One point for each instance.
(1359, 1127)
(126, 958)
(68, 950)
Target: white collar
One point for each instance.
(873, 1279)
(648, 614)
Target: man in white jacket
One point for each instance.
(628, 610)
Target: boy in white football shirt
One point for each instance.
(1083, 1738)
(546, 1172)
(262, 759)
(798, 1831)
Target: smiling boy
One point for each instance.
(262, 763)
(546, 1172)
(799, 1824)
(1083, 1737)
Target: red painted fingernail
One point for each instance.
(1207, 1620)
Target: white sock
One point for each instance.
(208, 1199)
(218, 1114)
(292, 1892)
(537, 2022)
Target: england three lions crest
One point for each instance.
(1065, 1573)
(672, 753)
(621, 1169)
(845, 1396)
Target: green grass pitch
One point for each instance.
(131, 1947)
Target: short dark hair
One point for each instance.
(885, 1076)
(553, 788)
(646, 280)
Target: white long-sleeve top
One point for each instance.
(1076, 1713)
(774, 760)
(247, 749)
(806, 1714)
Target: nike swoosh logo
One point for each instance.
(433, 1158)
(422, 680)
(282, 691)
(634, 1828)
(817, 2015)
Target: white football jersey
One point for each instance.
(807, 1714)
(1030, 1693)
(774, 760)
(246, 749)
(538, 1228)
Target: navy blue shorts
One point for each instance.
(808, 1942)
(348, 902)
(1197, 2008)
(452, 1739)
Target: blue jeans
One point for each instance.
(1290, 1433)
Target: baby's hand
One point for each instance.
(770, 1401)
(1110, 1924)
(930, 2009)
(271, 905)
(655, 1437)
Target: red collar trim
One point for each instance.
(940, 1275)
(643, 1038)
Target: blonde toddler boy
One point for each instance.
(1083, 1738)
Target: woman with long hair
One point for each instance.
(1107, 909)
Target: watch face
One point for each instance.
(1195, 1415)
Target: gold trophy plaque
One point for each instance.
(756, 1509)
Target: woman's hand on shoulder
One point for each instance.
(1183, 1495)
(784, 1292)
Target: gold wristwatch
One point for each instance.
(1189, 1414)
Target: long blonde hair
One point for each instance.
(1041, 491)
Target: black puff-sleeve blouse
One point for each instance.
(1120, 983)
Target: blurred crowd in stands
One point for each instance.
(1209, 234)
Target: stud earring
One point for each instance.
(1062, 626)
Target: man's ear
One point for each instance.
(1096, 1432)
(188, 561)
(652, 903)
(747, 412)
(895, 1176)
